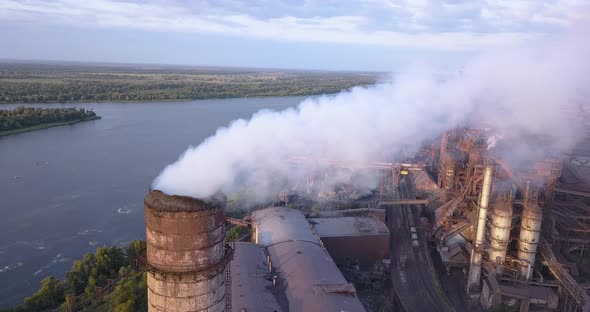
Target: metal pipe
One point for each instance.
(477, 253)
(403, 202)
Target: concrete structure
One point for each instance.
(304, 270)
(500, 228)
(529, 297)
(530, 232)
(362, 240)
(477, 252)
(186, 253)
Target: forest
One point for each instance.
(27, 117)
(46, 83)
(108, 279)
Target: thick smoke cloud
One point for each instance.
(522, 93)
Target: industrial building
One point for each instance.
(286, 267)
(496, 221)
(363, 241)
(460, 227)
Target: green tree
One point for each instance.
(233, 234)
(130, 294)
(50, 295)
(134, 250)
(89, 290)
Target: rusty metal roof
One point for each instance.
(279, 224)
(310, 279)
(306, 270)
(423, 181)
(348, 226)
(251, 284)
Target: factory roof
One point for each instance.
(251, 284)
(309, 277)
(312, 280)
(280, 224)
(348, 226)
(423, 181)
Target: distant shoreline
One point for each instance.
(177, 100)
(46, 126)
(60, 83)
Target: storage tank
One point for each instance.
(186, 253)
(530, 231)
(500, 228)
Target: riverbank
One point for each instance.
(46, 125)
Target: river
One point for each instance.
(66, 190)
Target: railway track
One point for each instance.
(415, 282)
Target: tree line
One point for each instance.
(44, 83)
(25, 117)
(73, 91)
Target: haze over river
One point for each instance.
(66, 190)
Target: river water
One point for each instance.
(66, 190)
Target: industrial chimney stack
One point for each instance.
(473, 281)
(186, 253)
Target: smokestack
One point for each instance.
(185, 252)
(477, 253)
(500, 229)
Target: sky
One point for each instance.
(381, 35)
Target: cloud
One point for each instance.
(427, 24)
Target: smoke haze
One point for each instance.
(524, 92)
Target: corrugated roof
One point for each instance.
(279, 224)
(311, 279)
(348, 226)
(423, 181)
(251, 289)
(308, 271)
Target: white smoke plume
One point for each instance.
(522, 92)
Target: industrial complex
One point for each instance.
(461, 226)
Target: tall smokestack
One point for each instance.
(185, 253)
(477, 253)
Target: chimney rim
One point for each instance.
(158, 200)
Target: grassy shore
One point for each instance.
(45, 126)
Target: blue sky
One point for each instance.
(307, 34)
